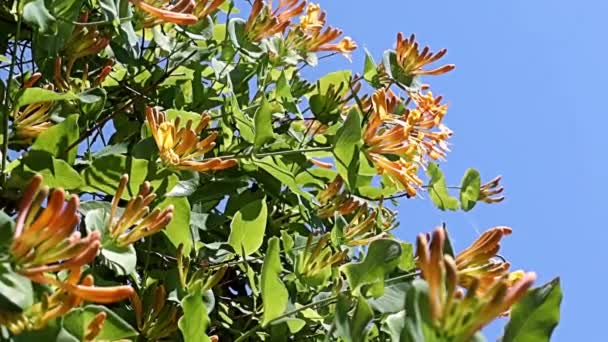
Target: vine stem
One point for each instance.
(274, 153)
(322, 302)
(11, 71)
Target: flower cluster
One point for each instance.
(309, 35)
(180, 147)
(411, 60)
(399, 140)
(490, 289)
(181, 12)
(333, 199)
(45, 242)
(136, 221)
(264, 22)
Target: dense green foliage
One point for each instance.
(170, 173)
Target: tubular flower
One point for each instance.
(180, 147)
(32, 120)
(368, 225)
(163, 11)
(205, 7)
(66, 296)
(44, 239)
(408, 135)
(136, 221)
(156, 317)
(333, 200)
(85, 41)
(489, 190)
(309, 35)
(456, 314)
(263, 22)
(316, 260)
(412, 61)
(479, 261)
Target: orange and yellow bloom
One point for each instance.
(180, 147)
(411, 60)
(136, 221)
(457, 314)
(264, 22)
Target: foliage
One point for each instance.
(170, 172)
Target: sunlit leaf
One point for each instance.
(274, 293)
(248, 227)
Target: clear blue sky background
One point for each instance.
(524, 103)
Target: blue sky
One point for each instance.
(524, 103)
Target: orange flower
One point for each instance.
(45, 240)
(333, 200)
(205, 7)
(489, 190)
(309, 36)
(412, 61)
(136, 221)
(456, 314)
(263, 22)
(401, 171)
(85, 41)
(180, 147)
(162, 11)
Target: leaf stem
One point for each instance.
(6, 98)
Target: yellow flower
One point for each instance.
(411, 60)
(401, 171)
(180, 147)
(45, 240)
(163, 11)
(136, 221)
(263, 22)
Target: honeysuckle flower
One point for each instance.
(411, 60)
(205, 7)
(45, 239)
(317, 259)
(31, 120)
(180, 147)
(400, 171)
(367, 225)
(457, 314)
(136, 221)
(479, 261)
(85, 40)
(309, 35)
(163, 11)
(67, 294)
(156, 317)
(332, 200)
(263, 22)
(488, 192)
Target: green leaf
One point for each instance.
(243, 122)
(114, 327)
(382, 257)
(346, 150)
(103, 175)
(352, 329)
(438, 190)
(35, 95)
(6, 231)
(56, 139)
(54, 331)
(16, 293)
(263, 124)
(279, 170)
(195, 320)
(406, 262)
(536, 315)
(370, 70)
(337, 79)
(469, 189)
(36, 14)
(178, 230)
(274, 293)
(56, 172)
(92, 102)
(248, 227)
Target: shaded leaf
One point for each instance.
(274, 293)
(248, 227)
(56, 139)
(536, 315)
(346, 150)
